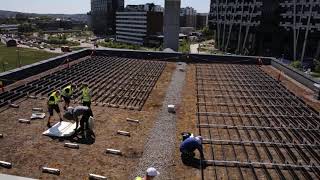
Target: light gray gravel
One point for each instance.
(159, 150)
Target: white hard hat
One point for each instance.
(152, 172)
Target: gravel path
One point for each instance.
(160, 147)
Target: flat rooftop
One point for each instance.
(253, 125)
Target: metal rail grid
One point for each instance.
(253, 126)
(114, 82)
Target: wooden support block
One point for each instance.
(25, 121)
(14, 105)
(5, 164)
(96, 177)
(123, 133)
(133, 120)
(51, 171)
(32, 97)
(72, 145)
(37, 109)
(114, 151)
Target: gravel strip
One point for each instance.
(160, 147)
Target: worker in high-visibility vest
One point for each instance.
(150, 174)
(1, 86)
(53, 104)
(86, 95)
(66, 94)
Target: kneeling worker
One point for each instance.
(74, 113)
(67, 93)
(53, 104)
(187, 148)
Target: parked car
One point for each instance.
(65, 49)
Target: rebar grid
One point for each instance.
(253, 126)
(114, 82)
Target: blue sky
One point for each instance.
(81, 6)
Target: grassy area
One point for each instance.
(9, 56)
(118, 45)
(77, 48)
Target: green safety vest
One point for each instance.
(1, 84)
(55, 97)
(64, 93)
(138, 178)
(86, 95)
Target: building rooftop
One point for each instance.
(254, 122)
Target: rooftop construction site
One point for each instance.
(258, 118)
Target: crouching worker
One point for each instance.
(187, 148)
(75, 113)
(53, 104)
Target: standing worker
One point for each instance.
(86, 95)
(187, 148)
(67, 93)
(74, 113)
(150, 174)
(53, 104)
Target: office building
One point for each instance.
(202, 20)
(265, 27)
(103, 15)
(304, 17)
(134, 27)
(188, 17)
(144, 7)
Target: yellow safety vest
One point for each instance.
(1, 83)
(138, 178)
(55, 97)
(86, 95)
(64, 93)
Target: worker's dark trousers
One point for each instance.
(88, 104)
(189, 160)
(84, 120)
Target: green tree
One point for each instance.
(25, 28)
(184, 46)
(207, 33)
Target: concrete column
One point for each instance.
(172, 24)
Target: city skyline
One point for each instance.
(83, 6)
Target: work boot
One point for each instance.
(61, 119)
(49, 125)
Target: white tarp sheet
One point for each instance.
(61, 129)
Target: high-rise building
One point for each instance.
(145, 7)
(135, 27)
(103, 15)
(171, 24)
(300, 22)
(289, 29)
(202, 20)
(188, 17)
